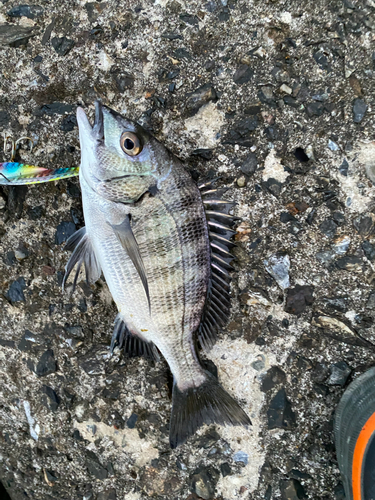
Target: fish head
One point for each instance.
(119, 159)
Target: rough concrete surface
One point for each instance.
(276, 97)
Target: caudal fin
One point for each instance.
(207, 404)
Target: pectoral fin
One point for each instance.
(126, 237)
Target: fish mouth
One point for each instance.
(98, 128)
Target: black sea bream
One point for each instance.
(164, 257)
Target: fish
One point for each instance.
(163, 244)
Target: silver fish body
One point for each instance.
(146, 230)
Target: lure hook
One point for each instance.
(15, 145)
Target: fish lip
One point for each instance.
(98, 128)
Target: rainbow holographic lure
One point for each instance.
(13, 173)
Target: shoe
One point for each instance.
(354, 437)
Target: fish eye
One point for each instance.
(130, 144)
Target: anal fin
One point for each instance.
(133, 345)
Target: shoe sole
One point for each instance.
(354, 428)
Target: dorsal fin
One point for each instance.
(132, 344)
(220, 222)
(83, 253)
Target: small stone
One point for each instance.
(46, 364)
(298, 299)
(243, 74)
(249, 165)
(94, 9)
(315, 109)
(350, 263)
(203, 482)
(15, 292)
(198, 98)
(332, 145)
(123, 81)
(241, 457)
(54, 400)
(240, 133)
(62, 45)
(15, 35)
(369, 250)
(337, 303)
(279, 413)
(30, 11)
(209, 439)
(291, 101)
(64, 231)
(94, 467)
(328, 228)
(286, 89)
(16, 199)
(107, 495)
(225, 469)
(272, 378)
(371, 301)
(278, 267)
(341, 245)
(359, 110)
(241, 181)
(189, 19)
(56, 108)
(206, 154)
(343, 168)
(69, 123)
(339, 373)
(328, 323)
(363, 224)
(273, 186)
(291, 489)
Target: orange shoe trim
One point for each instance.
(358, 455)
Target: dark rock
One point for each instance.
(268, 493)
(94, 467)
(337, 303)
(4, 118)
(69, 123)
(322, 61)
(182, 53)
(107, 495)
(48, 31)
(132, 421)
(16, 199)
(94, 9)
(371, 301)
(224, 14)
(225, 469)
(273, 133)
(73, 190)
(56, 108)
(209, 439)
(240, 133)
(298, 299)
(35, 213)
(10, 258)
(287, 217)
(315, 109)
(363, 224)
(123, 81)
(321, 389)
(28, 342)
(7, 343)
(249, 165)
(339, 218)
(320, 372)
(64, 231)
(206, 154)
(30, 11)
(50, 476)
(359, 110)
(272, 378)
(171, 36)
(339, 373)
(291, 101)
(15, 291)
(62, 45)
(112, 394)
(243, 74)
(203, 482)
(54, 400)
(328, 228)
(46, 364)
(300, 154)
(279, 413)
(349, 263)
(343, 168)
(273, 186)
(14, 35)
(189, 19)
(291, 489)
(195, 100)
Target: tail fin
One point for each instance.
(209, 403)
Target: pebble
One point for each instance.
(107, 495)
(243, 74)
(278, 267)
(359, 110)
(363, 224)
(15, 291)
(343, 168)
(328, 228)
(332, 145)
(249, 165)
(240, 133)
(64, 231)
(285, 88)
(298, 299)
(15, 35)
(369, 250)
(124, 81)
(339, 374)
(56, 108)
(94, 467)
(350, 263)
(371, 301)
(279, 413)
(341, 245)
(272, 378)
(29, 11)
(241, 457)
(46, 364)
(53, 398)
(291, 489)
(198, 98)
(206, 154)
(62, 45)
(225, 469)
(315, 109)
(241, 181)
(203, 482)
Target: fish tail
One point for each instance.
(209, 403)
